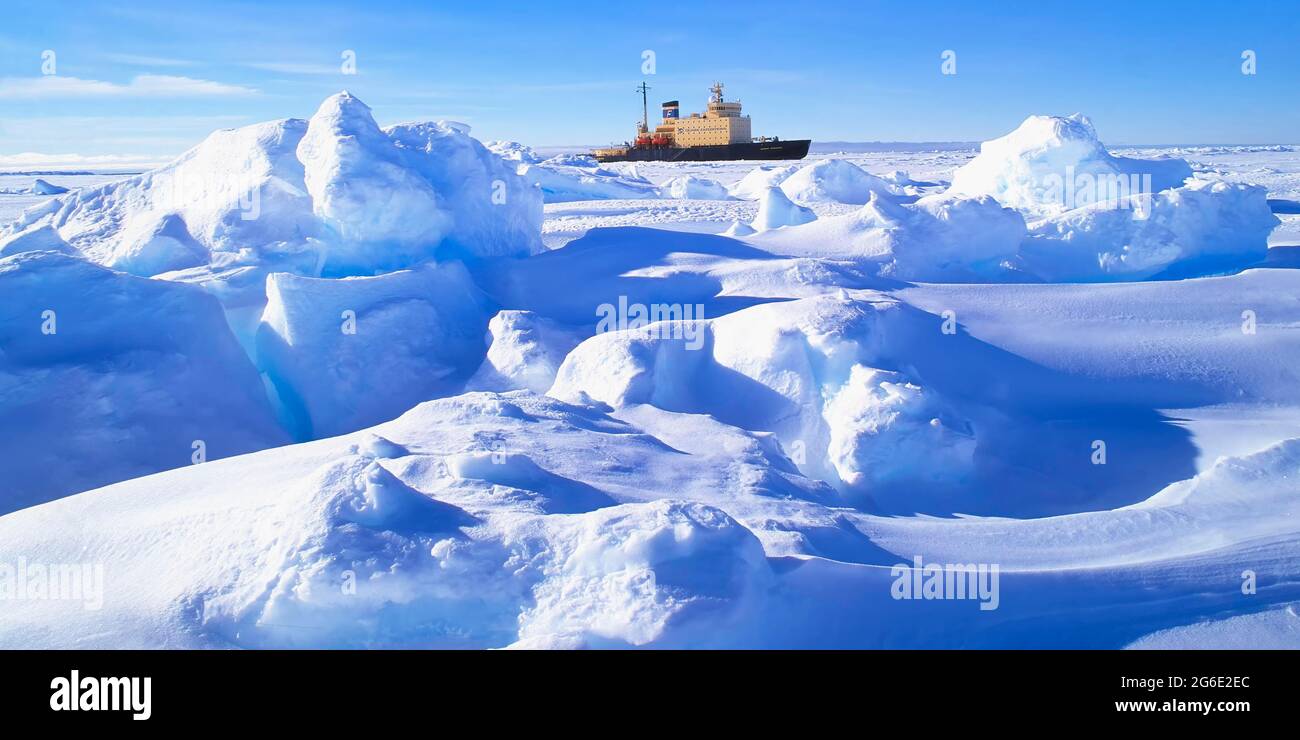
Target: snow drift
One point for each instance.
(691, 187)
(569, 178)
(807, 371)
(776, 210)
(756, 182)
(526, 351)
(938, 237)
(835, 181)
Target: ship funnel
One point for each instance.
(670, 109)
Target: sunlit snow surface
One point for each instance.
(748, 481)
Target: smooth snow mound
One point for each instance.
(1052, 164)
(835, 181)
(1272, 629)
(937, 238)
(691, 187)
(525, 353)
(776, 210)
(479, 521)
(739, 229)
(578, 177)
(335, 193)
(756, 182)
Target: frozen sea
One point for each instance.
(390, 411)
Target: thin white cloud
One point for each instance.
(138, 60)
(38, 160)
(293, 68)
(61, 86)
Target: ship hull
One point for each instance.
(797, 149)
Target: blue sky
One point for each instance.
(149, 79)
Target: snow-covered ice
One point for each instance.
(775, 209)
(320, 383)
(834, 181)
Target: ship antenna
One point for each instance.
(645, 107)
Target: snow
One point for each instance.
(451, 394)
(41, 187)
(513, 151)
(938, 237)
(1275, 629)
(694, 188)
(567, 178)
(1037, 166)
(35, 239)
(334, 192)
(834, 180)
(411, 536)
(525, 352)
(756, 183)
(776, 210)
(1203, 228)
(805, 371)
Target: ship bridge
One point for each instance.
(721, 123)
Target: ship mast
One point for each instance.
(645, 107)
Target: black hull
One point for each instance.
(753, 150)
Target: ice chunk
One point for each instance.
(776, 210)
(105, 376)
(41, 187)
(1202, 228)
(569, 178)
(239, 192)
(494, 211)
(344, 354)
(513, 151)
(1052, 164)
(353, 198)
(36, 239)
(739, 229)
(637, 574)
(360, 190)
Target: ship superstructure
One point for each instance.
(721, 132)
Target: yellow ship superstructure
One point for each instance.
(721, 123)
(721, 132)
